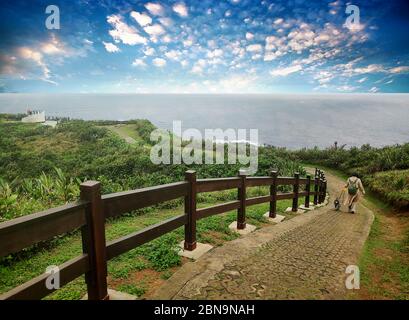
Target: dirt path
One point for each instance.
(121, 130)
(302, 258)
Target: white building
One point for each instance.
(34, 116)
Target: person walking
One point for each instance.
(355, 191)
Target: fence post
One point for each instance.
(190, 211)
(322, 178)
(308, 190)
(273, 194)
(324, 191)
(93, 241)
(241, 212)
(296, 189)
(316, 181)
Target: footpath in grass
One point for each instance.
(384, 263)
(139, 271)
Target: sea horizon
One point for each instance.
(283, 120)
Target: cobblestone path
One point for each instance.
(302, 258)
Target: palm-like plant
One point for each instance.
(66, 188)
(8, 199)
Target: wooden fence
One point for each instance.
(91, 211)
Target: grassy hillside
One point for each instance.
(383, 170)
(41, 167)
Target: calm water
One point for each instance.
(291, 121)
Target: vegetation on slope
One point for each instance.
(42, 167)
(383, 170)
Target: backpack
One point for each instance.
(352, 187)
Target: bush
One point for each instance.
(393, 186)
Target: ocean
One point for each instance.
(292, 121)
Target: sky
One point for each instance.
(206, 46)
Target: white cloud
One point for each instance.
(138, 63)
(374, 89)
(51, 48)
(349, 69)
(275, 43)
(346, 88)
(401, 69)
(372, 68)
(154, 8)
(198, 66)
(197, 69)
(30, 54)
(188, 42)
(334, 4)
(270, 56)
(236, 82)
(286, 71)
(141, 18)
(249, 36)
(154, 30)
(159, 62)
(110, 47)
(180, 9)
(239, 52)
(215, 61)
(215, 53)
(354, 27)
(166, 39)
(55, 47)
(173, 55)
(149, 51)
(211, 43)
(324, 77)
(27, 61)
(254, 48)
(167, 22)
(123, 32)
(278, 21)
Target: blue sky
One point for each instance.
(225, 46)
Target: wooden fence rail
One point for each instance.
(90, 212)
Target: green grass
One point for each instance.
(125, 130)
(159, 255)
(89, 151)
(392, 270)
(383, 276)
(393, 186)
(132, 289)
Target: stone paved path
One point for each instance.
(302, 258)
